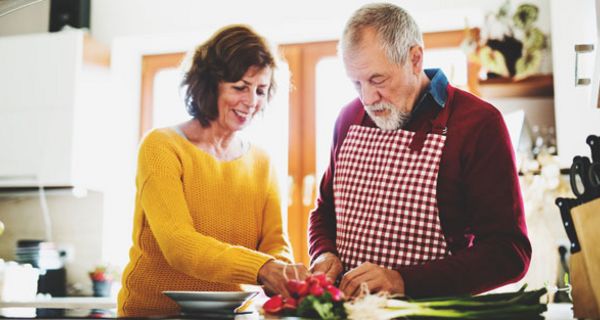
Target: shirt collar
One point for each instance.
(437, 86)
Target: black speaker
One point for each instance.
(75, 13)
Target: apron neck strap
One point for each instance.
(435, 126)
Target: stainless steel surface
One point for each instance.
(579, 49)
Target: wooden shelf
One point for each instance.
(534, 86)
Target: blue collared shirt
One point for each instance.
(436, 89)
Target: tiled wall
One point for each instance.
(76, 223)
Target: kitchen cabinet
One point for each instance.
(53, 88)
(573, 23)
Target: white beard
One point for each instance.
(395, 119)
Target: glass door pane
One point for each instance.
(169, 108)
(333, 91)
(452, 61)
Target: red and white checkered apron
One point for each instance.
(384, 187)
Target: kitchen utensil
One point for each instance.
(565, 205)
(579, 178)
(51, 262)
(585, 269)
(594, 143)
(201, 302)
(585, 174)
(594, 170)
(209, 295)
(585, 178)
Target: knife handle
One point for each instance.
(565, 205)
(594, 143)
(579, 178)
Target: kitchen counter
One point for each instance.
(53, 308)
(65, 303)
(556, 311)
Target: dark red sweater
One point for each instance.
(478, 194)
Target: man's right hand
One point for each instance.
(329, 264)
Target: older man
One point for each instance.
(421, 196)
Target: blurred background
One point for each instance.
(81, 82)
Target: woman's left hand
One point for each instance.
(271, 275)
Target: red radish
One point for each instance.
(297, 288)
(316, 290)
(311, 280)
(322, 279)
(290, 304)
(274, 305)
(336, 294)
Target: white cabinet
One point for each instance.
(49, 102)
(573, 23)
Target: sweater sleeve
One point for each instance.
(500, 251)
(167, 214)
(274, 241)
(322, 221)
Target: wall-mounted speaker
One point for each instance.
(74, 13)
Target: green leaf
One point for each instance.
(493, 61)
(535, 39)
(529, 64)
(525, 16)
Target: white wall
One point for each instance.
(286, 21)
(281, 21)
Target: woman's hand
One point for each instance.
(271, 276)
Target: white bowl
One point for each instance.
(209, 295)
(210, 301)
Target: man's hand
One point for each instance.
(377, 279)
(271, 276)
(329, 264)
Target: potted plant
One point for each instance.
(102, 277)
(511, 45)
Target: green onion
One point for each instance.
(513, 305)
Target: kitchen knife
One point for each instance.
(565, 205)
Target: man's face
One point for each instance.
(387, 90)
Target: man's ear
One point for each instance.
(416, 58)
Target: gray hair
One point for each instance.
(396, 29)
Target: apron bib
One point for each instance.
(385, 185)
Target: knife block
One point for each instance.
(585, 264)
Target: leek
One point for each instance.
(514, 305)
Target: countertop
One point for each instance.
(65, 303)
(556, 311)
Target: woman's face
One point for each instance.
(240, 101)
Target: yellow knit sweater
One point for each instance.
(200, 224)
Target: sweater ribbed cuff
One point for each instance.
(247, 264)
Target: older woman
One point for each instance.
(207, 214)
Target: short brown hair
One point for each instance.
(225, 57)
